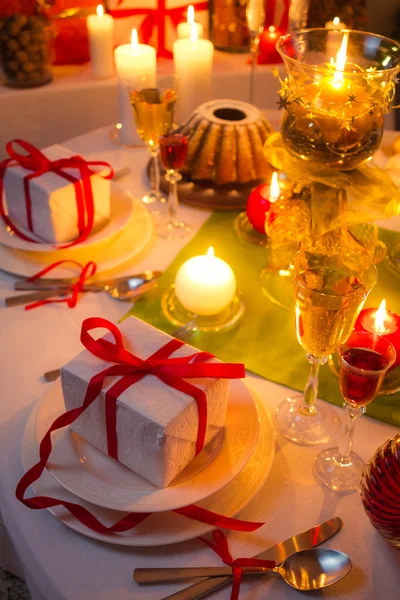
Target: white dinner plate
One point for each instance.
(121, 210)
(94, 476)
(161, 528)
(108, 253)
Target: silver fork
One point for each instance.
(182, 333)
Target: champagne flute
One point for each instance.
(173, 153)
(255, 18)
(364, 361)
(153, 109)
(330, 289)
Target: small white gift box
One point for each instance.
(156, 425)
(53, 200)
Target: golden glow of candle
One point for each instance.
(340, 63)
(190, 14)
(275, 190)
(134, 40)
(336, 21)
(380, 315)
(205, 285)
(272, 32)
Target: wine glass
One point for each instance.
(331, 286)
(173, 147)
(153, 109)
(364, 361)
(255, 18)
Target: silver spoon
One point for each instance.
(125, 289)
(306, 570)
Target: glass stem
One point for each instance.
(173, 177)
(347, 438)
(154, 151)
(254, 41)
(311, 389)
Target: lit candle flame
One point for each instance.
(336, 21)
(100, 10)
(272, 32)
(194, 36)
(210, 251)
(275, 190)
(134, 41)
(341, 61)
(380, 315)
(190, 14)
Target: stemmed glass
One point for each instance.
(173, 148)
(365, 359)
(255, 18)
(153, 109)
(330, 289)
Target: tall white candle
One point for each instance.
(133, 62)
(205, 285)
(184, 28)
(100, 29)
(193, 63)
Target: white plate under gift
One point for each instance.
(92, 475)
(121, 207)
(161, 528)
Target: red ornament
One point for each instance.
(258, 206)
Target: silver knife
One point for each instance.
(308, 539)
(60, 284)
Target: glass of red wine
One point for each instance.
(364, 360)
(173, 148)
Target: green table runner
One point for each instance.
(265, 339)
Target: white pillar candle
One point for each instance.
(193, 63)
(132, 61)
(205, 285)
(184, 28)
(100, 30)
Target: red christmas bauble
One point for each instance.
(258, 206)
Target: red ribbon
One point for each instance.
(156, 18)
(77, 288)
(36, 162)
(220, 547)
(131, 369)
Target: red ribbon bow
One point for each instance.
(131, 368)
(77, 288)
(220, 547)
(36, 162)
(156, 18)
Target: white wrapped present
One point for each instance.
(54, 212)
(156, 425)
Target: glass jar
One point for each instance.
(26, 50)
(380, 490)
(228, 28)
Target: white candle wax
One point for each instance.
(205, 285)
(193, 63)
(334, 36)
(100, 30)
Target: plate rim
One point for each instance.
(268, 434)
(182, 489)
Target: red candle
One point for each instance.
(268, 54)
(383, 322)
(259, 203)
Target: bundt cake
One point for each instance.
(226, 139)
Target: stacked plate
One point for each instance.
(122, 238)
(223, 478)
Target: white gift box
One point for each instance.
(157, 425)
(53, 200)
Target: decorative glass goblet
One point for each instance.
(365, 359)
(330, 289)
(173, 148)
(153, 111)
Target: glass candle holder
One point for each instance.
(339, 86)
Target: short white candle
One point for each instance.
(184, 28)
(100, 30)
(193, 63)
(205, 285)
(132, 61)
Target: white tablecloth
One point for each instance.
(60, 564)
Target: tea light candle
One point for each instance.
(383, 322)
(100, 29)
(205, 285)
(184, 28)
(193, 64)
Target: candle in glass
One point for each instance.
(383, 322)
(100, 29)
(205, 285)
(184, 28)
